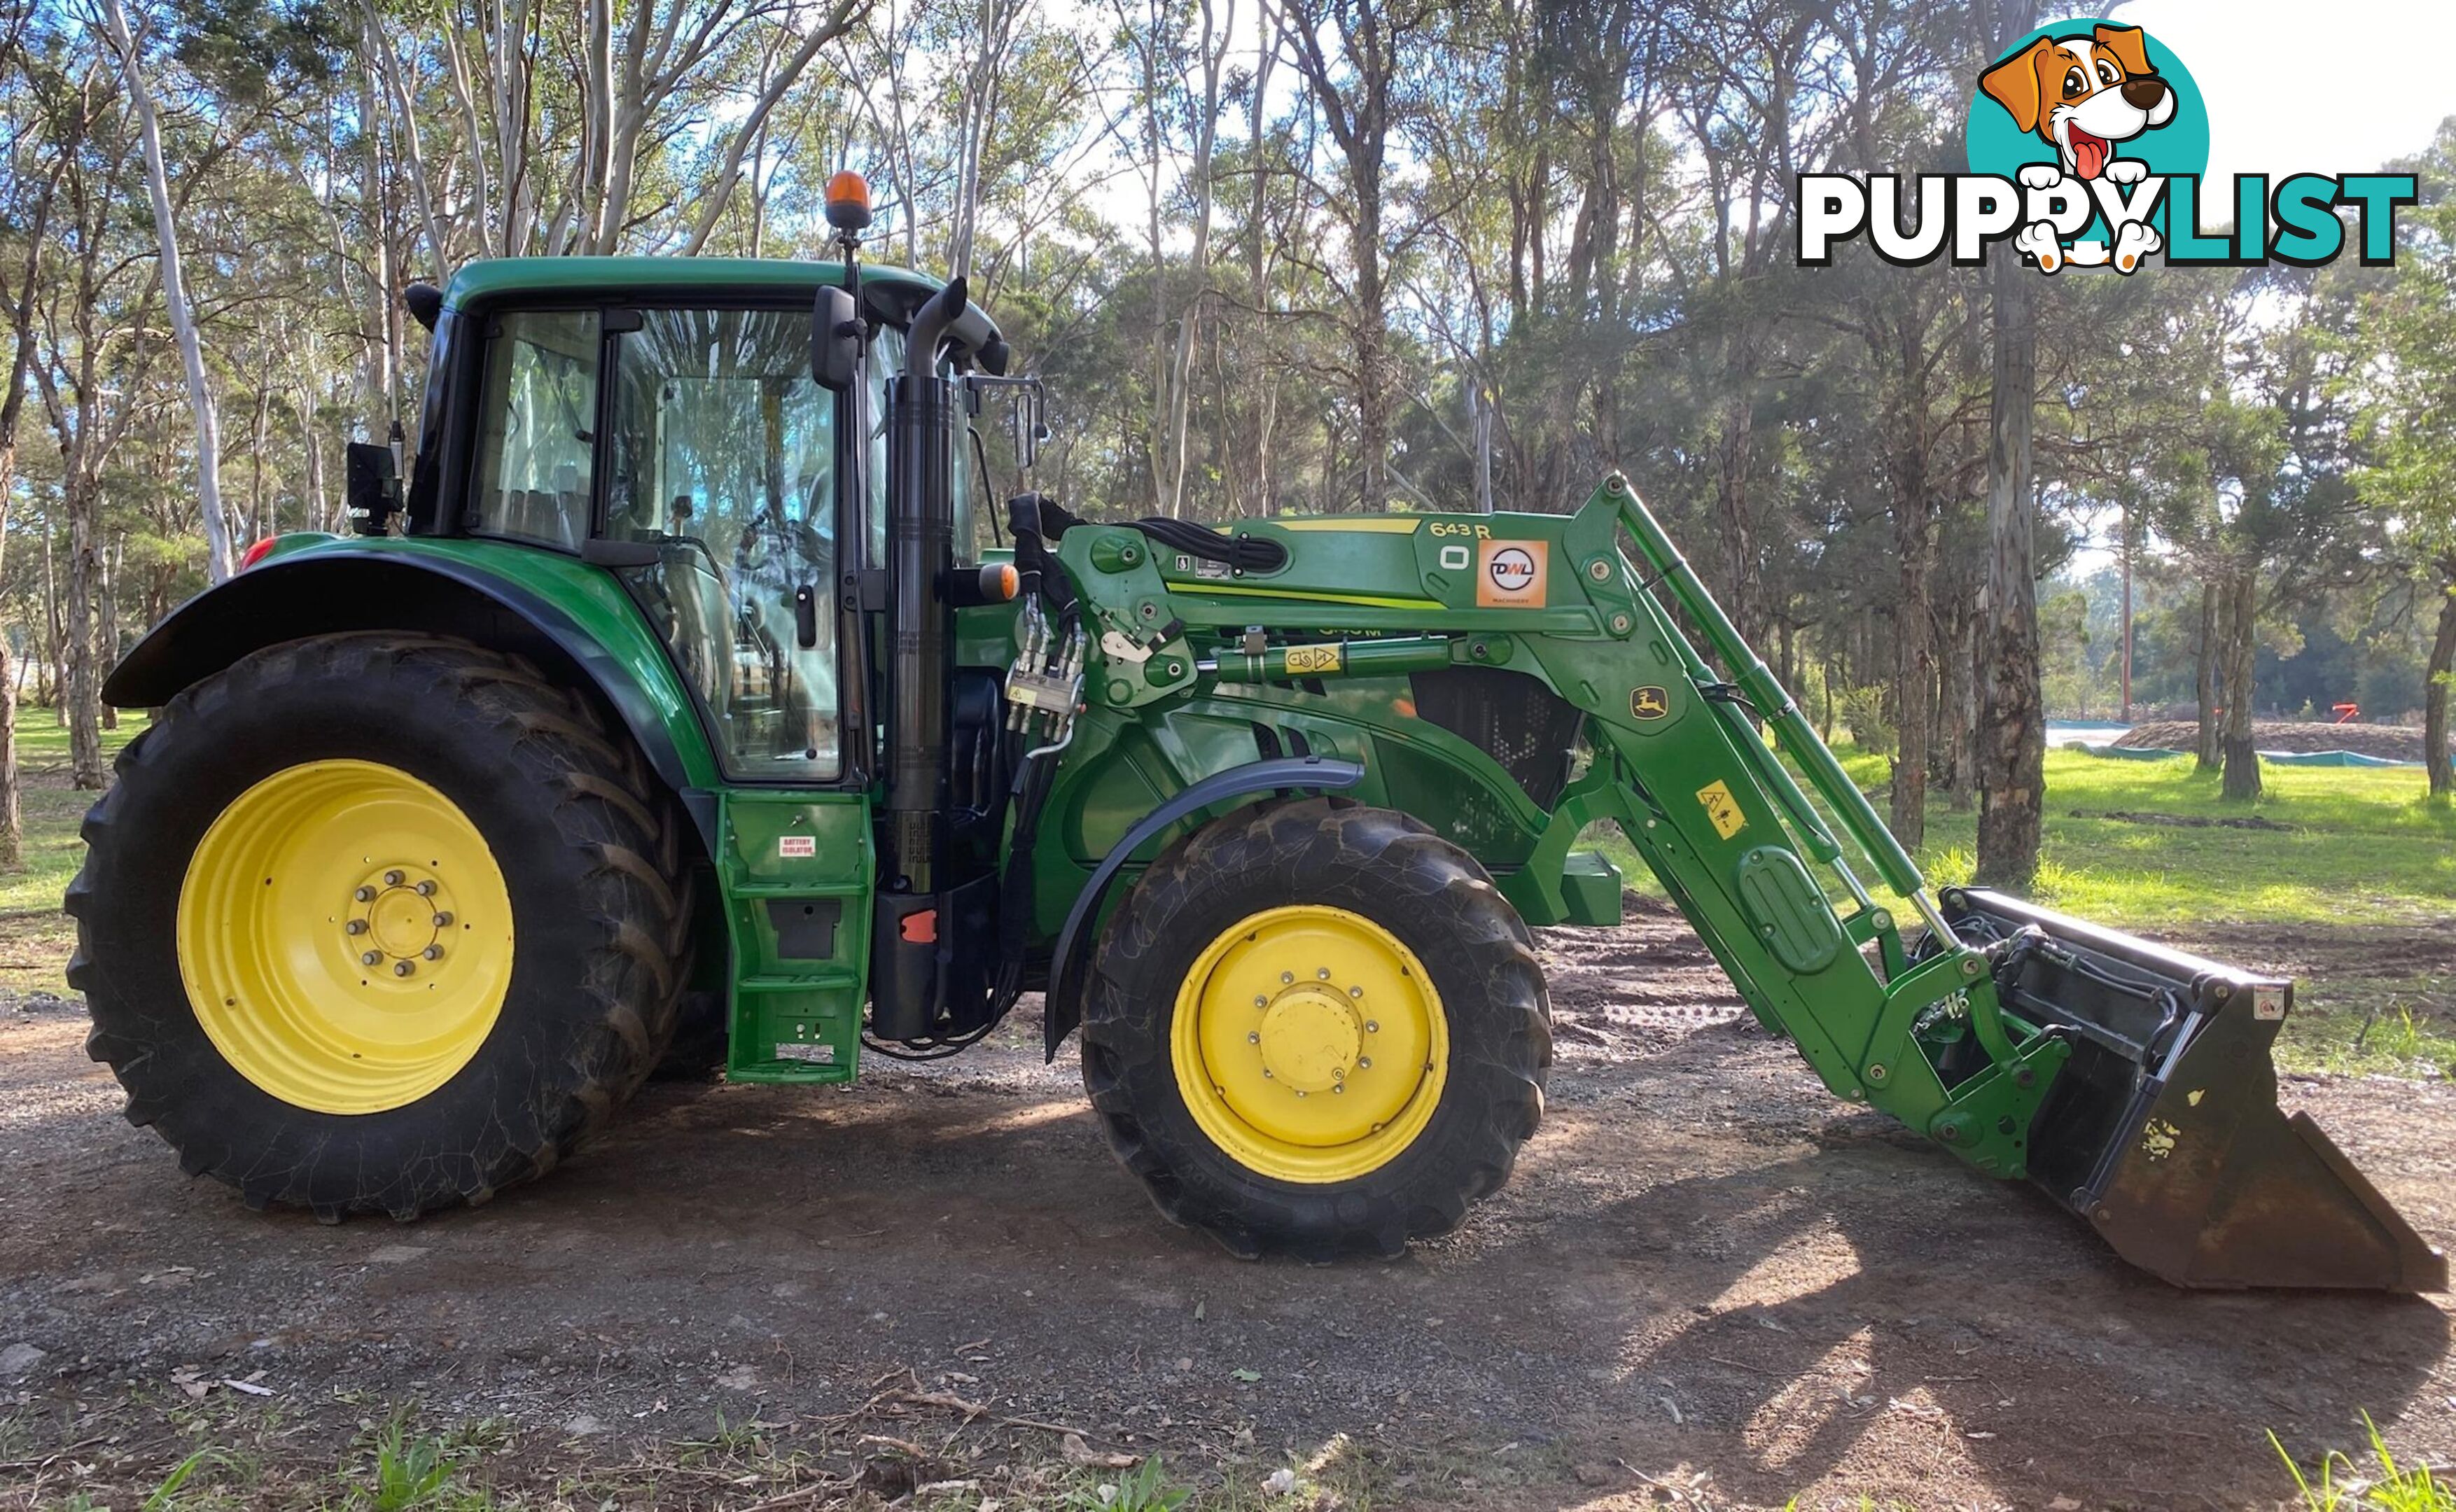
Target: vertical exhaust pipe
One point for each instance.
(924, 421)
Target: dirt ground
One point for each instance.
(1709, 1283)
(2392, 742)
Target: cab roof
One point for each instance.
(889, 293)
(601, 277)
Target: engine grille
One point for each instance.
(1509, 716)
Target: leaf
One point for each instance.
(1247, 1376)
(1083, 1456)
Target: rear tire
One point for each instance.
(1386, 906)
(256, 1088)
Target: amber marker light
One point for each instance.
(848, 201)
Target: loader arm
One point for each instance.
(2133, 1082)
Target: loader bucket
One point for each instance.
(2162, 1130)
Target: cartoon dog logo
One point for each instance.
(2084, 95)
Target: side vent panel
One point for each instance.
(1509, 716)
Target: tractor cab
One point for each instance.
(664, 420)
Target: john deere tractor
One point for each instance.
(692, 703)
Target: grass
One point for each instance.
(396, 1466)
(2384, 1486)
(35, 937)
(2349, 846)
(2354, 845)
(2362, 845)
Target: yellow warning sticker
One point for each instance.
(1309, 659)
(1723, 809)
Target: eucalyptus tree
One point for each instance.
(2409, 396)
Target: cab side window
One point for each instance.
(538, 427)
(724, 460)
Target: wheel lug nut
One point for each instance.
(1266, 1074)
(432, 952)
(1339, 1087)
(394, 879)
(1287, 976)
(444, 921)
(370, 957)
(355, 927)
(1363, 1063)
(1373, 1026)
(1355, 991)
(1252, 1039)
(364, 894)
(402, 969)
(426, 890)
(1321, 973)
(1260, 1001)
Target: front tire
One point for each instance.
(1317, 1028)
(379, 923)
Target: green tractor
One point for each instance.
(670, 714)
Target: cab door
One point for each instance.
(721, 458)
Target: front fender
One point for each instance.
(571, 619)
(1062, 1005)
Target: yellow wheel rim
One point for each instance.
(345, 936)
(1310, 1044)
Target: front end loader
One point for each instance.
(674, 715)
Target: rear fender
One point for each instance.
(572, 620)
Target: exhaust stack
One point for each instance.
(924, 423)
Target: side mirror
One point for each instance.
(1027, 416)
(835, 339)
(372, 488)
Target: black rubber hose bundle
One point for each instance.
(1036, 516)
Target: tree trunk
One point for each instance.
(1731, 496)
(1373, 397)
(2434, 699)
(13, 822)
(2204, 747)
(375, 377)
(55, 644)
(1180, 371)
(2242, 784)
(1914, 698)
(1960, 648)
(183, 325)
(81, 685)
(105, 610)
(1913, 641)
(259, 523)
(2012, 721)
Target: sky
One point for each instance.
(2297, 86)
